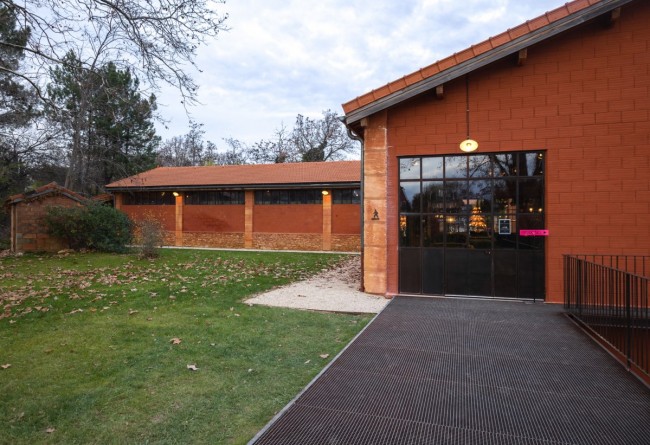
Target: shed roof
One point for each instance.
(49, 189)
(254, 176)
(494, 48)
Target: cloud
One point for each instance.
(282, 58)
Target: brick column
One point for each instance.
(179, 221)
(327, 221)
(375, 177)
(248, 218)
(118, 201)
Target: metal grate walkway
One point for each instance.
(461, 371)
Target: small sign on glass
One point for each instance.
(505, 227)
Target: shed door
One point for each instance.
(460, 225)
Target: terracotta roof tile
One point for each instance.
(467, 54)
(240, 175)
(52, 187)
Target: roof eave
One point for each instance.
(488, 57)
(293, 185)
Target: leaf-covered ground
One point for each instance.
(113, 349)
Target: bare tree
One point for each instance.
(156, 39)
(322, 139)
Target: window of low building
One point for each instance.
(346, 196)
(270, 197)
(215, 197)
(148, 198)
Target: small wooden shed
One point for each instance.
(28, 230)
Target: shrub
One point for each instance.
(92, 226)
(151, 237)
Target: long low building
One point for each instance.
(297, 206)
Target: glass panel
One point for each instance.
(479, 273)
(504, 164)
(533, 164)
(456, 271)
(456, 228)
(409, 168)
(531, 221)
(455, 196)
(505, 273)
(409, 197)
(432, 168)
(480, 193)
(531, 196)
(433, 231)
(505, 193)
(410, 271)
(433, 197)
(455, 166)
(505, 231)
(480, 166)
(409, 231)
(433, 266)
(480, 231)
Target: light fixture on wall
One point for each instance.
(325, 192)
(175, 194)
(469, 144)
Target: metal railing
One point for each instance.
(608, 295)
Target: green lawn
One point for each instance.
(89, 341)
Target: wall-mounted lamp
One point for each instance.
(175, 194)
(325, 192)
(468, 145)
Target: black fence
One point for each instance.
(608, 295)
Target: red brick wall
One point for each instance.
(296, 218)
(31, 231)
(165, 214)
(346, 218)
(584, 97)
(213, 218)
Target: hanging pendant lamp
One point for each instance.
(469, 144)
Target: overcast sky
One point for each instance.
(282, 58)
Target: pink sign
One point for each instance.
(533, 232)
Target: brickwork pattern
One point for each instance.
(31, 231)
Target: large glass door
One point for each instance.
(463, 223)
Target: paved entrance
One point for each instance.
(462, 371)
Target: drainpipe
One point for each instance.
(359, 139)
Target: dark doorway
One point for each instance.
(464, 221)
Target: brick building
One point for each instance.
(303, 206)
(560, 109)
(28, 231)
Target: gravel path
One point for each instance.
(334, 290)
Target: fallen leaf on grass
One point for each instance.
(50, 430)
(307, 362)
(324, 355)
(132, 311)
(192, 367)
(8, 365)
(175, 341)
(75, 311)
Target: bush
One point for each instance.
(151, 237)
(92, 226)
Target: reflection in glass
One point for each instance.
(455, 196)
(455, 166)
(409, 196)
(433, 231)
(505, 193)
(480, 230)
(456, 230)
(502, 238)
(531, 164)
(531, 196)
(480, 166)
(409, 230)
(433, 197)
(409, 168)
(504, 164)
(480, 194)
(432, 168)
